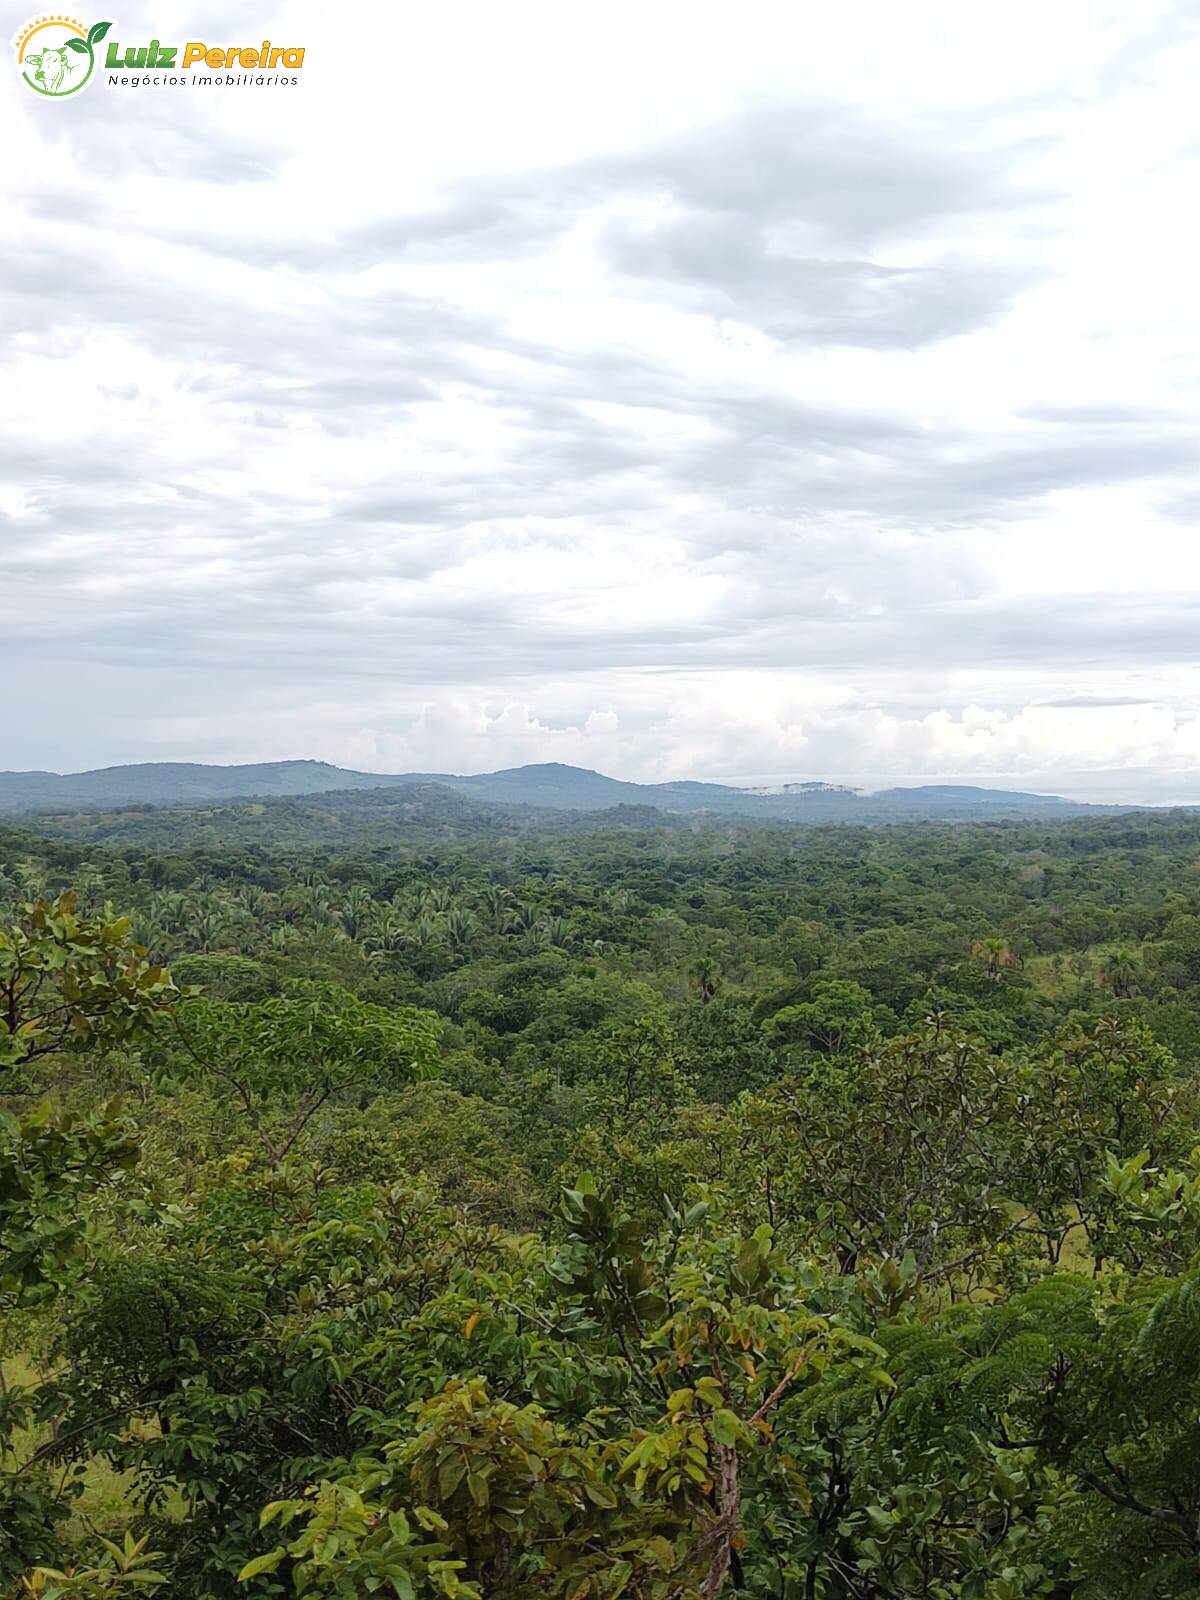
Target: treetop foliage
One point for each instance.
(655, 1212)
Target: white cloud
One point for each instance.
(803, 395)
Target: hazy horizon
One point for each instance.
(1096, 787)
(809, 394)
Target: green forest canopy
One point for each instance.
(634, 1209)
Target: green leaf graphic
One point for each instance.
(77, 44)
(97, 31)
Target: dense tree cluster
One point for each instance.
(668, 1212)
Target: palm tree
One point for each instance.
(494, 900)
(386, 934)
(317, 906)
(258, 903)
(354, 912)
(207, 928)
(556, 931)
(521, 919)
(1119, 970)
(460, 925)
(996, 956)
(704, 970)
(169, 908)
(150, 933)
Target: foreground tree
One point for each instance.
(706, 1335)
(73, 982)
(281, 1060)
(67, 983)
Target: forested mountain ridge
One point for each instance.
(668, 1209)
(550, 785)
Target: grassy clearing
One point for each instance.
(1068, 974)
(105, 1505)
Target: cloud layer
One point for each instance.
(817, 401)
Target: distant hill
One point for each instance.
(548, 785)
(172, 782)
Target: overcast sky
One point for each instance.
(680, 390)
